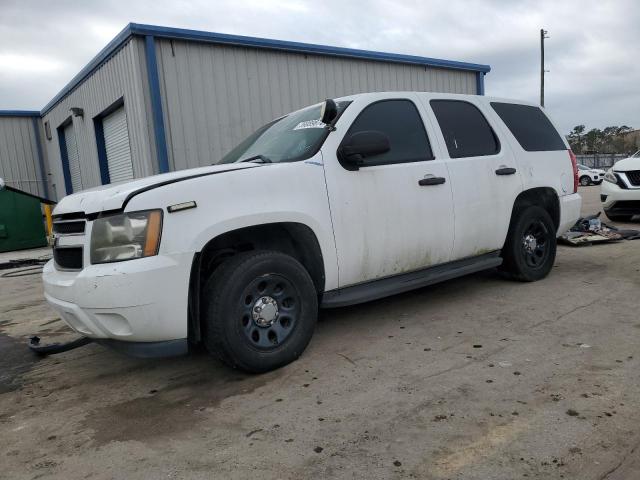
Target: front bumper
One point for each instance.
(142, 300)
(619, 201)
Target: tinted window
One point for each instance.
(401, 122)
(466, 132)
(530, 126)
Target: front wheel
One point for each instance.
(260, 311)
(584, 181)
(530, 248)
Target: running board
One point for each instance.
(404, 282)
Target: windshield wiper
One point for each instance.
(262, 159)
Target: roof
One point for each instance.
(133, 29)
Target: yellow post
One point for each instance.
(47, 214)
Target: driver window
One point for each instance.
(400, 121)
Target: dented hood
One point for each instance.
(114, 196)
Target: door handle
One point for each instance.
(505, 171)
(423, 182)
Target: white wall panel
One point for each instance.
(19, 164)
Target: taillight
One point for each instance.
(574, 164)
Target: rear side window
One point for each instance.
(401, 122)
(531, 127)
(466, 132)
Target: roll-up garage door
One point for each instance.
(116, 144)
(73, 157)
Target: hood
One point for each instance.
(627, 164)
(115, 195)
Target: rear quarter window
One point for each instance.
(530, 126)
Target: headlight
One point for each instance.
(127, 236)
(610, 176)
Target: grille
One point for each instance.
(68, 258)
(634, 177)
(69, 227)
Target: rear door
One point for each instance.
(385, 220)
(484, 176)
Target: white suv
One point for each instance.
(589, 176)
(620, 191)
(335, 204)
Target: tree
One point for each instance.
(608, 140)
(575, 138)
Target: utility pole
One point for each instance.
(543, 35)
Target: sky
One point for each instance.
(592, 53)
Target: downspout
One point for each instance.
(156, 104)
(36, 132)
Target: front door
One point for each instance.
(395, 213)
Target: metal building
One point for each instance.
(22, 162)
(157, 99)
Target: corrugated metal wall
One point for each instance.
(122, 76)
(19, 163)
(215, 95)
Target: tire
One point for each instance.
(585, 180)
(234, 328)
(530, 248)
(618, 218)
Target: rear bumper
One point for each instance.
(570, 206)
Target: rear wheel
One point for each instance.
(585, 180)
(530, 248)
(261, 310)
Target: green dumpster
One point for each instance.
(21, 224)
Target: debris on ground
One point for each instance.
(590, 229)
(34, 266)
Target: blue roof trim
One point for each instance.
(19, 113)
(222, 38)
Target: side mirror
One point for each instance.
(1, 184)
(355, 148)
(328, 112)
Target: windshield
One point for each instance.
(294, 137)
(582, 167)
(636, 155)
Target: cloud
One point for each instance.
(592, 55)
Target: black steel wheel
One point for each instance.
(535, 243)
(270, 310)
(530, 249)
(260, 311)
